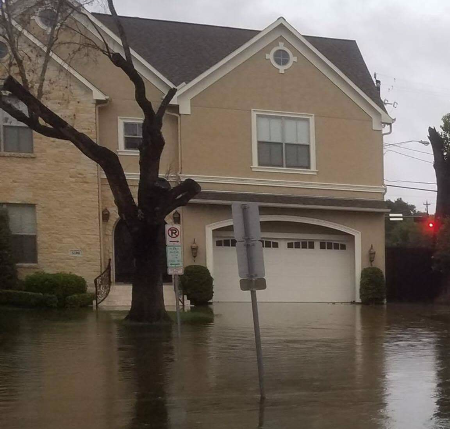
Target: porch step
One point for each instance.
(120, 296)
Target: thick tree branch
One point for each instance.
(107, 159)
(31, 122)
(164, 105)
(182, 194)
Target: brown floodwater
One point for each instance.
(327, 366)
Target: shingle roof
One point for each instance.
(182, 51)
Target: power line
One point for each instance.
(413, 150)
(408, 187)
(409, 156)
(410, 181)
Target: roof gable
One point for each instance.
(183, 51)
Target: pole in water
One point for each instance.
(177, 301)
(258, 343)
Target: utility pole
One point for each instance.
(427, 204)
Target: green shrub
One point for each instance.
(20, 298)
(79, 300)
(373, 286)
(8, 273)
(197, 284)
(61, 285)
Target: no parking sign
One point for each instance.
(174, 250)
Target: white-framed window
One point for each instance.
(281, 57)
(22, 222)
(15, 137)
(46, 18)
(283, 142)
(130, 134)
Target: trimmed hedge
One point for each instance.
(80, 300)
(373, 287)
(197, 284)
(8, 273)
(62, 285)
(20, 298)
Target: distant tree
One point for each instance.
(401, 207)
(408, 233)
(8, 274)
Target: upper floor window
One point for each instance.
(15, 136)
(284, 141)
(22, 222)
(130, 134)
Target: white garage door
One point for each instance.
(302, 269)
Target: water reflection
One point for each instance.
(327, 366)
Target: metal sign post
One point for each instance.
(247, 232)
(174, 252)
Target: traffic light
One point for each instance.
(429, 224)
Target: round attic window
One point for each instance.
(281, 57)
(4, 51)
(47, 17)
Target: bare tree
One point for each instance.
(145, 218)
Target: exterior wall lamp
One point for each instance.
(176, 217)
(194, 249)
(105, 215)
(372, 254)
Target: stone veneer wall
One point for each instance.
(62, 183)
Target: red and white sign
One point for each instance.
(173, 235)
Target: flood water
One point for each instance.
(327, 366)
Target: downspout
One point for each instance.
(180, 159)
(99, 184)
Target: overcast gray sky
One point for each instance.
(405, 42)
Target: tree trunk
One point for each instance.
(147, 305)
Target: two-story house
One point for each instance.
(289, 121)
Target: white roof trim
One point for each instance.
(142, 66)
(96, 93)
(282, 28)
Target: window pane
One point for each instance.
(24, 249)
(329, 246)
(290, 245)
(132, 143)
(303, 131)
(263, 129)
(304, 244)
(22, 218)
(18, 139)
(342, 247)
(297, 244)
(275, 130)
(274, 244)
(270, 154)
(323, 245)
(336, 246)
(219, 243)
(9, 120)
(290, 131)
(297, 156)
(132, 129)
(310, 244)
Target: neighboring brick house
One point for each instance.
(290, 121)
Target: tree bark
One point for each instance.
(147, 304)
(442, 170)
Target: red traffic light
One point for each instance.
(431, 225)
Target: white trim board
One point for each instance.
(209, 229)
(293, 206)
(281, 28)
(142, 66)
(97, 94)
(284, 183)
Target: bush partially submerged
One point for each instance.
(373, 286)
(80, 300)
(20, 298)
(197, 284)
(62, 285)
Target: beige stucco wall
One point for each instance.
(217, 136)
(62, 183)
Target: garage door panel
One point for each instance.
(311, 274)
